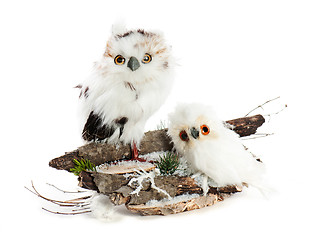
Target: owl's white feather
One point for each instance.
(216, 150)
(116, 100)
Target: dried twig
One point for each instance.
(257, 135)
(67, 213)
(270, 114)
(75, 201)
(79, 203)
(79, 191)
(260, 106)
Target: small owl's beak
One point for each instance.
(194, 133)
(133, 64)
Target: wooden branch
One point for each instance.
(261, 105)
(153, 141)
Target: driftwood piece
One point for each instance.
(153, 141)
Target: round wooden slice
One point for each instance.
(126, 167)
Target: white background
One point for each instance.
(233, 55)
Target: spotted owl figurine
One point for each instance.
(129, 84)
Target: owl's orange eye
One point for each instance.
(205, 130)
(119, 60)
(184, 136)
(147, 58)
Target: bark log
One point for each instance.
(120, 192)
(153, 141)
(178, 207)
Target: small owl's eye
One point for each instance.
(147, 58)
(205, 130)
(184, 136)
(119, 60)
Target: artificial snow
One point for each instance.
(146, 175)
(154, 156)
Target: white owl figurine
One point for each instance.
(129, 84)
(211, 148)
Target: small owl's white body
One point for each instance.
(218, 153)
(118, 98)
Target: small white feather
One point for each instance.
(101, 207)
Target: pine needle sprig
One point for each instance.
(82, 165)
(168, 163)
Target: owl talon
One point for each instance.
(135, 154)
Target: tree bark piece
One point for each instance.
(153, 141)
(86, 180)
(246, 126)
(65, 162)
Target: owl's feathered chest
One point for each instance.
(118, 108)
(115, 96)
(225, 161)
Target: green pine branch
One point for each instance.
(168, 163)
(82, 165)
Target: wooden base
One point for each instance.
(147, 193)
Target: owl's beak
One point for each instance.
(194, 133)
(133, 64)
